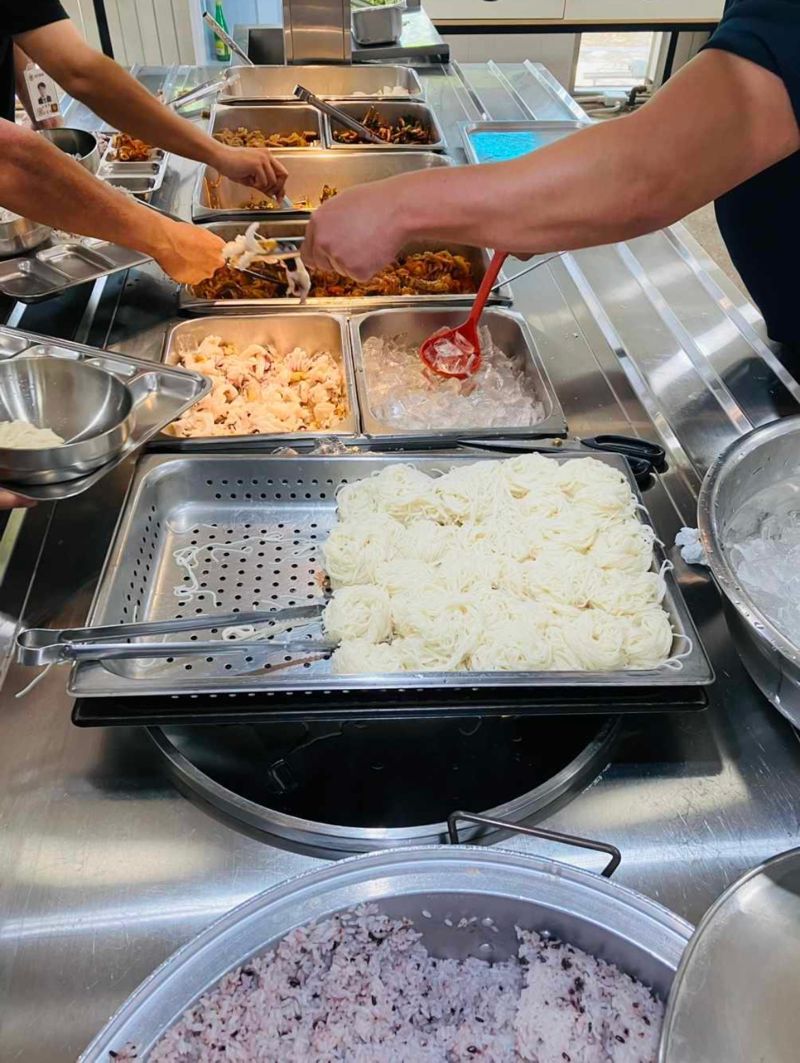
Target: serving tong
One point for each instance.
(339, 116)
(44, 646)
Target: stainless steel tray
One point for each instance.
(294, 230)
(141, 179)
(308, 173)
(530, 137)
(159, 393)
(392, 109)
(253, 84)
(278, 510)
(60, 265)
(509, 332)
(314, 332)
(283, 118)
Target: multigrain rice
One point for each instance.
(360, 987)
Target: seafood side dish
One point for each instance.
(408, 129)
(418, 273)
(258, 389)
(125, 148)
(527, 564)
(362, 986)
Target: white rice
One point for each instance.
(361, 988)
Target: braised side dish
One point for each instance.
(126, 148)
(421, 273)
(258, 138)
(259, 202)
(406, 130)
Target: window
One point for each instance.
(615, 60)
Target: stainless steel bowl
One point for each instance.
(78, 143)
(89, 408)
(766, 456)
(18, 235)
(447, 882)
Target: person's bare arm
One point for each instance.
(118, 98)
(38, 181)
(719, 121)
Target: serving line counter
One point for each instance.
(107, 867)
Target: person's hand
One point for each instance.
(254, 167)
(12, 501)
(355, 233)
(188, 253)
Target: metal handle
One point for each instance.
(37, 646)
(208, 88)
(528, 269)
(133, 651)
(340, 116)
(537, 832)
(227, 39)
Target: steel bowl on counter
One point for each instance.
(764, 458)
(18, 235)
(91, 409)
(436, 887)
(79, 143)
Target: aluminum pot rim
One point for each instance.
(761, 626)
(381, 864)
(789, 855)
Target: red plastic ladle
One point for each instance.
(457, 351)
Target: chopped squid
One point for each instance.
(248, 248)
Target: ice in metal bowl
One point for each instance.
(78, 143)
(88, 407)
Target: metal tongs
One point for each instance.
(209, 88)
(333, 112)
(40, 646)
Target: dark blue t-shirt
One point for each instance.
(760, 219)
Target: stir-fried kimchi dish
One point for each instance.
(420, 273)
(408, 129)
(125, 148)
(258, 389)
(259, 138)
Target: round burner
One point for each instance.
(343, 788)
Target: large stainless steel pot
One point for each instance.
(448, 883)
(766, 456)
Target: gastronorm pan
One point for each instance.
(314, 332)
(218, 198)
(293, 231)
(436, 887)
(61, 265)
(253, 84)
(501, 141)
(277, 511)
(392, 110)
(283, 118)
(159, 394)
(511, 335)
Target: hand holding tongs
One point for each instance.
(39, 646)
(337, 115)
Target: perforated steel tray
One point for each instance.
(278, 511)
(159, 393)
(141, 179)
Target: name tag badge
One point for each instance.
(42, 92)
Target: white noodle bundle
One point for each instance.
(473, 494)
(627, 593)
(425, 540)
(405, 493)
(360, 612)
(529, 473)
(402, 574)
(354, 549)
(624, 547)
(648, 638)
(359, 655)
(563, 576)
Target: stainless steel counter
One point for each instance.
(105, 868)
